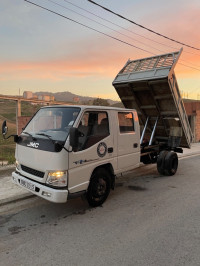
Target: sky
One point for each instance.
(41, 51)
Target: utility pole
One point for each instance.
(18, 113)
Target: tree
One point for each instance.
(100, 102)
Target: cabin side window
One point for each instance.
(93, 127)
(126, 122)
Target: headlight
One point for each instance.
(17, 165)
(57, 179)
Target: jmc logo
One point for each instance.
(33, 145)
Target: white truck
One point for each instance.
(66, 151)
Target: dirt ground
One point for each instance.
(6, 171)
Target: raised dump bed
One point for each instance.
(149, 85)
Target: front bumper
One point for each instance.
(48, 193)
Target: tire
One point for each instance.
(149, 158)
(161, 162)
(171, 163)
(99, 187)
(146, 159)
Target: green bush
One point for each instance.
(7, 153)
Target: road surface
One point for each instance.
(147, 220)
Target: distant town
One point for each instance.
(65, 96)
(43, 97)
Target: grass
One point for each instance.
(7, 146)
(8, 110)
(7, 153)
(29, 109)
(8, 113)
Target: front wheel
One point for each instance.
(99, 187)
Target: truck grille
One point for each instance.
(32, 171)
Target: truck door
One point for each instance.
(95, 145)
(128, 141)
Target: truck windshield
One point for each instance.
(54, 122)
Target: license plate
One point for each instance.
(27, 185)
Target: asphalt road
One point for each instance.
(147, 220)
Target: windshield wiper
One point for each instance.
(45, 135)
(24, 132)
(58, 145)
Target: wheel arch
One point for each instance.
(109, 168)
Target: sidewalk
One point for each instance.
(10, 192)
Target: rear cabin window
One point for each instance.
(126, 122)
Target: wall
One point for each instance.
(22, 121)
(193, 109)
(198, 126)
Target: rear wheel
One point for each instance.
(99, 187)
(171, 163)
(161, 162)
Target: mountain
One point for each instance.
(69, 97)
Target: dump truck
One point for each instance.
(67, 151)
(150, 87)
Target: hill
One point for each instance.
(67, 96)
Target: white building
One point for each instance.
(46, 98)
(27, 95)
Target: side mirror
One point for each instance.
(73, 138)
(4, 128)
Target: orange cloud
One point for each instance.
(80, 66)
(102, 59)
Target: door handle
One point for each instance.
(110, 150)
(135, 145)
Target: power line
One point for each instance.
(189, 66)
(105, 26)
(88, 27)
(105, 34)
(194, 66)
(141, 26)
(89, 12)
(113, 29)
(117, 26)
(147, 38)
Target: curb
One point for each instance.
(7, 167)
(25, 196)
(189, 154)
(17, 198)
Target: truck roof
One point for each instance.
(91, 107)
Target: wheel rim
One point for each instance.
(174, 165)
(99, 188)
